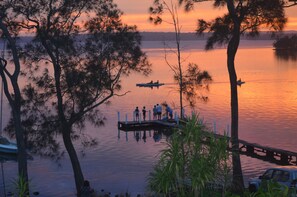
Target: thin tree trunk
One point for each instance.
(66, 131)
(15, 103)
(78, 175)
(238, 185)
(237, 182)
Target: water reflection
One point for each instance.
(138, 136)
(286, 55)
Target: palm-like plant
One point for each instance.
(192, 159)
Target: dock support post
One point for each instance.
(126, 119)
(250, 149)
(150, 118)
(270, 154)
(284, 158)
(119, 116)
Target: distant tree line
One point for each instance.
(286, 42)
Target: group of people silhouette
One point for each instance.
(136, 113)
(157, 112)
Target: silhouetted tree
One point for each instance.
(193, 77)
(243, 17)
(12, 91)
(89, 49)
(286, 43)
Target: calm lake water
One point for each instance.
(267, 115)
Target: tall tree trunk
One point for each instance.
(66, 129)
(237, 182)
(22, 154)
(78, 175)
(15, 103)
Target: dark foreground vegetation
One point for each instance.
(286, 43)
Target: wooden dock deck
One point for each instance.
(274, 155)
(149, 124)
(265, 153)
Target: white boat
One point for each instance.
(7, 147)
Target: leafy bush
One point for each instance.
(193, 159)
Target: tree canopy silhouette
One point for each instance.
(242, 17)
(79, 53)
(9, 77)
(191, 80)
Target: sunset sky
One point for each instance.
(136, 13)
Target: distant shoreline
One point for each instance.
(169, 36)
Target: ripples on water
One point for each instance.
(267, 115)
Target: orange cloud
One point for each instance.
(188, 21)
(292, 24)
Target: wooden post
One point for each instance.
(250, 149)
(150, 118)
(284, 158)
(270, 154)
(126, 119)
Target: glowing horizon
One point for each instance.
(138, 15)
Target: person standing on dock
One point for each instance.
(144, 113)
(159, 111)
(155, 112)
(169, 112)
(136, 112)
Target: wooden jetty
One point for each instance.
(265, 153)
(274, 155)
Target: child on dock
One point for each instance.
(136, 112)
(144, 113)
(155, 112)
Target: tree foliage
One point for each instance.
(195, 81)
(11, 89)
(79, 53)
(286, 43)
(242, 17)
(193, 159)
(252, 17)
(192, 80)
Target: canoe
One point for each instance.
(149, 84)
